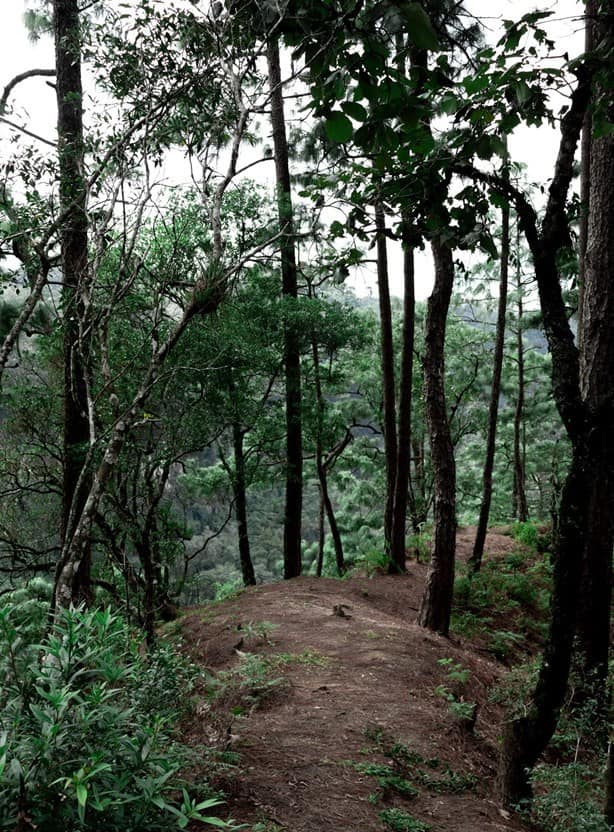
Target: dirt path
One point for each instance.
(348, 687)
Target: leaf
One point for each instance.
(420, 29)
(338, 127)
(523, 91)
(81, 790)
(354, 110)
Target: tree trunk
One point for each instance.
(596, 373)
(74, 240)
(294, 443)
(417, 483)
(240, 495)
(608, 803)
(321, 535)
(519, 494)
(475, 561)
(585, 168)
(387, 361)
(587, 410)
(526, 738)
(436, 605)
(326, 503)
(403, 461)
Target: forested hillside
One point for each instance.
(198, 397)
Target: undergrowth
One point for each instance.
(404, 777)
(515, 587)
(87, 727)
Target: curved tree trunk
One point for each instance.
(475, 561)
(584, 397)
(74, 241)
(401, 490)
(526, 738)
(292, 363)
(436, 605)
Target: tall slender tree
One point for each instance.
(292, 364)
(475, 561)
(436, 605)
(74, 244)
(387, 364)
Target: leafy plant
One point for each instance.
(87, 732)
(526, 533)
(399, 821)
(257, 630)
(568, 797)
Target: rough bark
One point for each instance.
(596, 373)
(74, 242)
(585, 166)
(585, 410)
(403, 461)
(475, 561)
(526, 738)
(294, 443)
(325, 501)
(387, 363)
(519, 494)
(436, 605)
(240, 495)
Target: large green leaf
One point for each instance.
(338, 127)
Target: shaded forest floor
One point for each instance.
(327, 691)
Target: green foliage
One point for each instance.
(517, 585)
(457, 676)
(527, 534)
(396, 820)
(257, 630)
(568, 796)
(87, 729)
(228, 589)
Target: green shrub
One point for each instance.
(86, 729)
(526, 533)
(568, 797)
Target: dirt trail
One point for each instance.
(351, 682)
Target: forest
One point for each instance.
(306, 383)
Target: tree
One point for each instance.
(74, 242)
(585, 407)
(436, 605)
(294, 446)
(475, 560)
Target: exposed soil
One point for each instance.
(354, 684)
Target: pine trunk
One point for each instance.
(240, 495)
(387, 362)
(325, 501)
(519, 494)
(401, 491)
(475, 561)
(436, 603)
(294, 442)
(74, 242)
(596, 374)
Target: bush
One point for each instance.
(568, 797)
(526, 533)
(86, 740)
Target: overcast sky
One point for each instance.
(34, 100)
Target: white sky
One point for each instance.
(34, 100)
